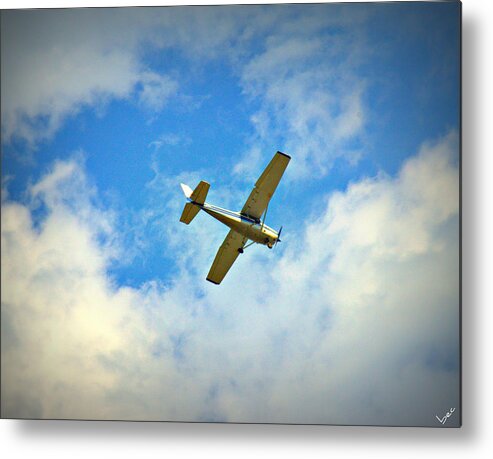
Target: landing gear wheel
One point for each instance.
(240, 250)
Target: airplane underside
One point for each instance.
(246, 225)
(250, 229)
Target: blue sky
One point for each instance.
(105, 112)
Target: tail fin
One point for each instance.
(200, 193)
(197, 197)
(186, 190)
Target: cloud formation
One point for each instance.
(311, 96)
(355, 320)
(55, 62)
(297, 65)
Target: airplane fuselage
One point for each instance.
(246, 226)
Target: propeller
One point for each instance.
(278, 236)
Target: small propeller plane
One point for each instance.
(245, 225)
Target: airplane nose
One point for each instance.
(278, 238)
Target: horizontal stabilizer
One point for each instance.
(189, 213)
(200, 193)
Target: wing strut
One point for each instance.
(248, 245)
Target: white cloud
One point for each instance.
(311, 97)
(156, 89)
(170, 138)
(54, 62)
(298, 65)
(354, 321)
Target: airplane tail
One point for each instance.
(187, 191)
(197, 198)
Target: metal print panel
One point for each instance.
(338, 124)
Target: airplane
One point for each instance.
(245, 225)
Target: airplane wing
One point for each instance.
(265, 186)
(226, 256)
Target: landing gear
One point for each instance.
(240, 250)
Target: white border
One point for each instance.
(57, 439)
